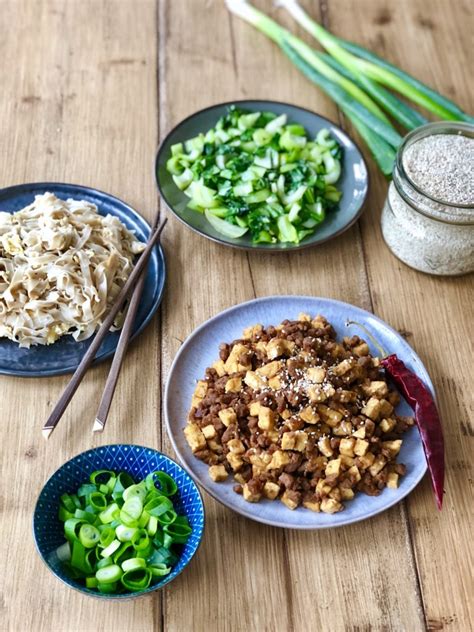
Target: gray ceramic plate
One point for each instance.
(353, 182)
(200, 350)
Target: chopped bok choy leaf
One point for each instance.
(258, 173)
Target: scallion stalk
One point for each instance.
(278, 34)
(383, 152)
(374, 68)
(401, 111)
(353, 97)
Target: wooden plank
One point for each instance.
(435, 313)
(81, 107)
(359, 582)
(237, 556)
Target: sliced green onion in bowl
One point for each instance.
(121, 535)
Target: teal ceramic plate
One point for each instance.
(353, 183)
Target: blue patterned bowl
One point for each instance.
(138, 462)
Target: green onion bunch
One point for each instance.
(121, 536)
(360, 82)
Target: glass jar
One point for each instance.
(428, 234)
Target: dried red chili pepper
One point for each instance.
(426, 414)
(426, 417)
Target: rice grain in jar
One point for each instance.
(428, 216)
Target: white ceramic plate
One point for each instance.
(200, 350)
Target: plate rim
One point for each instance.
(259, 248)
(159, 287)
(243, 511)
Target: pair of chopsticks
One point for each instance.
(133, 284)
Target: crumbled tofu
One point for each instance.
(342, 368)
(393, 447)
(386, 408)
(335, 493)
(309, 415)
(271, 490)
(218, 473)
(347, 461)
(354, 472)
(236, 446)
(274, 383)
(279, 459)
(333, 468)
(255, 409)
(254, 380)
(288, 501)
(219, 368)
(201, 389)
(209, 431)
(343, 429)
(376, 388)
(266, 418)
(322, 488)
(316, 374)
(250, 332)
(346, 494)
(312, 505)
(261, 346)
(361, 447)
(214, 446)
(366, 460)
(359, 433)
(199, 393)
(233, 363)
(233, 385)
(235, 461)
(330, 416)
(306, 318)
(249, 496)
(346, 446)
(319, 322)
(195, 437)
(316, 394)
(392, 480)
(286, 414)
(278, 346)
(295, 440)
(387, 425)
(361, 350)
(270, 369)
(372, 409)
(324, 446)
(228, 416)
(330, 505)
(378, 464)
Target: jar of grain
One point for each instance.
(428, 216)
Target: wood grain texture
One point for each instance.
(92, 87)
(81, 107)
(435, 313)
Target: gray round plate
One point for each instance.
(353, 183)
(200, 350)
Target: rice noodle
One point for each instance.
(61, 266)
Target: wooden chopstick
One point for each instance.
(89, 356)
(112, 378)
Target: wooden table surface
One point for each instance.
(89, 87)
